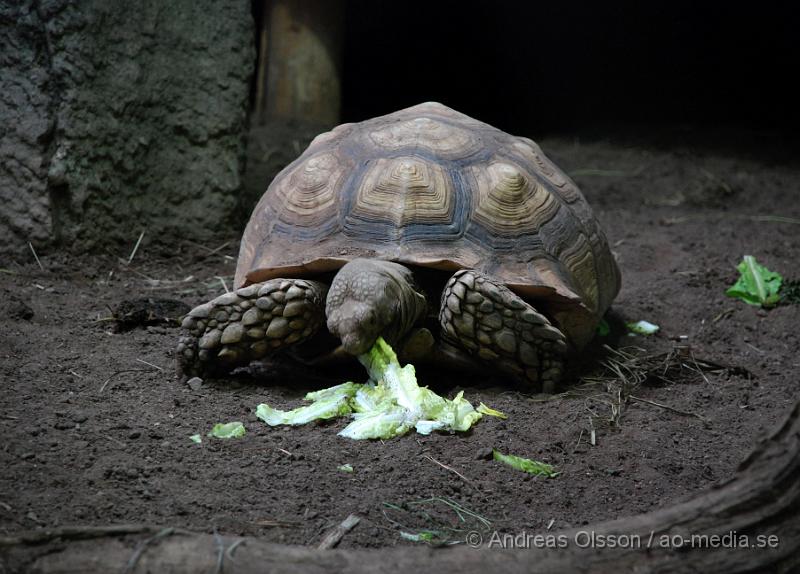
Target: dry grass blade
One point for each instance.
(625, 370)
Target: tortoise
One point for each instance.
(456, 242)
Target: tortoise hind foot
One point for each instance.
(248, 324)
(491, 322)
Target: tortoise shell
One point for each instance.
(431, 187)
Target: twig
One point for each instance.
(35, 256)
(151, 364)
(224, 286)
(136, 247)
(335, 536)
(451, 469)
(669, 408)
(284, 451)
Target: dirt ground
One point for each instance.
(95, 425)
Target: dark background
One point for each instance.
(538, 68)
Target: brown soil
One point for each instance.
(96, 426)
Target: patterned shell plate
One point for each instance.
(432, 187)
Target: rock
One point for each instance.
(112, 129)
(486, 453)
(195, 383)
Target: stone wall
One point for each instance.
(118, 116)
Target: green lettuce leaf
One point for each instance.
(643, 327)
(196, 438)
(227, 430)
(378, 424)
(525, 464)
(388, 405)
(756, 285)
(329, 407)
(347, 389)
(484, 410)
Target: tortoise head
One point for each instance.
(371, 298)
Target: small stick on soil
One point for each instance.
(5, 506)
(451, 469)
(135, 247)
(9, 418)
(333, 537)
(669, 408)
(35, 256)
(151, 364)
(286, 452)
(224, 286)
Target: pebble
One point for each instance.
(486, 453)
(136, 434)
(195, 383)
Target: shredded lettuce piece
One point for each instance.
(377, 424)
(345, 468)
(642, 327)
(227, 430)
(196, 438)
(525, 464)
(388, 405)
(327, 408)
(484, 410)
(347, 389)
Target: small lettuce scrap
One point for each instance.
(756, 285)
(227, 430)
(388, 405)
(525, 464)
(643, 327)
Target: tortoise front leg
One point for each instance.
(245, 325)
(487, 319)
